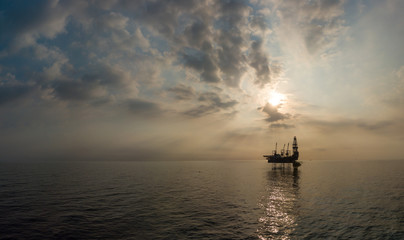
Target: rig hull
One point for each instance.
(279, 159)
(285, 157)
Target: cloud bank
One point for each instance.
(151, 75)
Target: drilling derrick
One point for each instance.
(285, 157)
(295, 151)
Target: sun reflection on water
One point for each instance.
(279, 204)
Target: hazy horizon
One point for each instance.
(201, 80)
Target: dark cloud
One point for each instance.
(375, 126)
(76, 90)
(258, 21)
(182, 92)
(210, 38)
(239, 135)
(231, 59)
(215, 100)
(273, 113)
(98, 81)
(197, 34)
(259, 61)
(281, 125)
(211, 103)
(97, 52)
(204, 65)
(217, 36)
(11, 92)
(233, 12)
(218, 49)
(162, 15)
(201, 110)
(23, 22)
(349, 124)
(143, 108)
(231, 40)
(320, 149)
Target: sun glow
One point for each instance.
(276, 98)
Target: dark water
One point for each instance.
(203, 200)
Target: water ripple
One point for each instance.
(201, 200)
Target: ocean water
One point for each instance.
(201, 200)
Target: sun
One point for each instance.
(275, 98)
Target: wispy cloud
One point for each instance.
(316, 24)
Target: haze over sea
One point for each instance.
(201, 200)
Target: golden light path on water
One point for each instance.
(279, 204)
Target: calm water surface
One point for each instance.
(201, 200)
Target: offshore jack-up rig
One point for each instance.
(285, 157)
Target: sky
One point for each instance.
(201, 80)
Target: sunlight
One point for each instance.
(276, 98)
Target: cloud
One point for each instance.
(143, 108)
(29, 21)
(78, 44)
(273, 113)
(99, 81)
(218, 49)
(121, 63)
(211, 38)
(162, 16)
(182, 92)
(211, 102)
(259, 61)
(281, 125)
(203, 63)
(113, 34)
(374, 126)
(244, 134)
(321, 37)
(231, 40)
(88, 54)
(392, 96)
(200, 111)
(349, 124)
(102, 54)
(78, 90)
(258, 21)
(12, 92)
(318, 23)
(400, 74)
(112, 21)
(197, 34)
(215, 100)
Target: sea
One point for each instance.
(201, 200)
